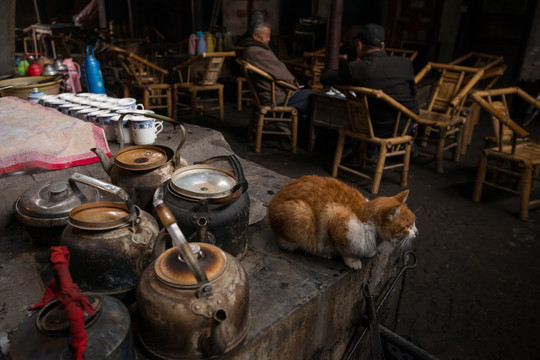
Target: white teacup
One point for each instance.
(67, 96)
(93, 116)
(64, 108)
(84, 95)
(83, 114)
(75, 110)
(144, 130)
(98, 97)
(44, 99)
(104, 121)
(131, 102)
(55, 103)
(126, 131)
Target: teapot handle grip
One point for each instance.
(105, 186)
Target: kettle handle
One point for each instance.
(238, 171)
(105, 186)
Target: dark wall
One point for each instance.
(7, 36)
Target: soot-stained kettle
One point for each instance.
(110, 243)
(193, 301)
(141, 169)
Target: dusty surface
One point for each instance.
(475, 290)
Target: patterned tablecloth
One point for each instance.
(35, 136)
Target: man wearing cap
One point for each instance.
(376, 69)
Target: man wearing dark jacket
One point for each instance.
(258, 53)
(375, 69)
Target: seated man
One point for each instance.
(258, 53)
(376, 69)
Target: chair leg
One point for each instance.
(406, 164)
(480, 178)
(379, 169)
(126, 91)
(439, 153)
(221, 107)
(193, 106)
(525, 192)
(239, 90)
(258, 138)
(174, 103)
(250, 124)
(146, 99)
(294, 133)
(339, 153)
(169, 102)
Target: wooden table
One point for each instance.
(329, 111)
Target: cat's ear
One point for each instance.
(402, 196)
(394, 211)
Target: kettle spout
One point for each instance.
(218, 340)
(105, 161)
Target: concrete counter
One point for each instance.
(301, 306)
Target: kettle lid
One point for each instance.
(50, 199)
(203, 182)
(141, 157)
(173, 271)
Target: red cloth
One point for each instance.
(68, 294)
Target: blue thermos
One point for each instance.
(92, 73)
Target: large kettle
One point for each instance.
(110, 242)
(193, 301)
(141, 169)
(211, 195)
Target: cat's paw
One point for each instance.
(353, 262)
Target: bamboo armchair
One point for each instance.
(189, 88)
(146, 77)
(494, 68)
(361, 128)
(284, 118)
(515, 155)
(442, 121)
(411, 54)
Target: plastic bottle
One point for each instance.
(192, 44)
(210, 42)
(92, 73)
(201, 43)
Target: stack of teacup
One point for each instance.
(105, 112)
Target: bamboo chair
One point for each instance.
(243, 94)
(442, 121)
(515, 155)
(314, 65)
(187, 91)
(411, 54)
(361, 128)
(146, 77)
(268, 114)
(494, 68)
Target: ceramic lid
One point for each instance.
(173, 271)
(142, 157)
(50, 199)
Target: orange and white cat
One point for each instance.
(326, 217)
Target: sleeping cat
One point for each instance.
(325, 217)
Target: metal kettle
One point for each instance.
(193, 301)
(141, 169)
(111, 243)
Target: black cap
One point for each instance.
(371, 34)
